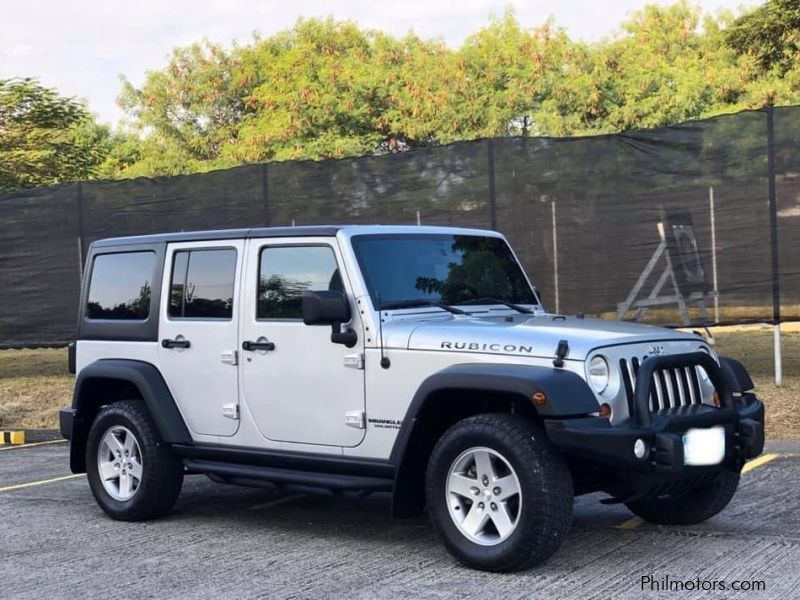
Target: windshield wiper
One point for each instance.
(489, 299)
(419, 303)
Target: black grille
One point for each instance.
(670, 388)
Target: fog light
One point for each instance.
(639, 448)
(605, 411)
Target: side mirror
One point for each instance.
(325, 308)
(329, 308)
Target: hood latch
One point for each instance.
(561, 353)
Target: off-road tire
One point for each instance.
(162, 471)
(696, 506)
(545, 512)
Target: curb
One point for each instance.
(15, 438)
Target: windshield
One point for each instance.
(440, 268)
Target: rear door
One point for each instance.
(198, 333)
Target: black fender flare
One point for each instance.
(146, 379)
(567, 395)
(736, 376)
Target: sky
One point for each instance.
(81, 47)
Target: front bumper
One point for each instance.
(595, 440)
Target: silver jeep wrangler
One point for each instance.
(416, 361)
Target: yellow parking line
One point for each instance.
(758, 462)
(272, 503)
(631, 523)
(33, 444)
(22, 486)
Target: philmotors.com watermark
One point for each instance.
(665, 583)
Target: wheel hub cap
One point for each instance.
(483, 496)
(119, 463)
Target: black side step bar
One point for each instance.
(328, 481)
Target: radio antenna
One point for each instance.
(385, 362)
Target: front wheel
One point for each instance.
(700, 504)
(499, 495)
(132, 474)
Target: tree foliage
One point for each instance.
(326, 89)
(770, 33)
(45, 138)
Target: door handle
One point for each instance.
(167, 343)
(251, 346)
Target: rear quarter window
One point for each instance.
(121, 286)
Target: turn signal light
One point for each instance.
(717, 399)
(605, 411)
(539, 398)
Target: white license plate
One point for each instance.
(704, 446)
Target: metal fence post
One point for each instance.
(712, 211)
(773, 227)
(555, 257)
(81, 240)
(492, 189)
(265, 192)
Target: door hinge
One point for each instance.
(354, 361)
(231, 411)
(355, 418)
(231, 357)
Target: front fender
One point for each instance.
(567, 395)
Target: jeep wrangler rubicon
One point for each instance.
(416, 361)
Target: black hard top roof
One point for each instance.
(222, 234)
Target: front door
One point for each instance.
(198, 333)
(298, 385)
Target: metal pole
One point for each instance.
(555, 257)
(773, 226)
(265, 192)
(81, 234)
(492, 189)
(419, 219)
(714, 251)
(776, 335)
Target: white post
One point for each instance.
(555, 257)
(714, 251)
(778, 358)
(419, 219)
(293, 223)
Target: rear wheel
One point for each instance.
(131, 473)
(696, 506)
(499, 495)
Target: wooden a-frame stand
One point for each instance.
(654, 298)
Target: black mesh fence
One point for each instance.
(693, 224)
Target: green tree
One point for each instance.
(770, 33)
(326, 89)
(44, 137)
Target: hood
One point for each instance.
(520, 335)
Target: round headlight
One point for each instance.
(598, 374)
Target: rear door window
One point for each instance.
(202, 284)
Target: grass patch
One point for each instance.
(35, 384)
(754, 350)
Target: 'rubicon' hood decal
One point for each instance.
(523, 335)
